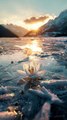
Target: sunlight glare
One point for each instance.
(31, 48)
(35, 47)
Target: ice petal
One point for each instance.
(37, 67)
(21, 72)
(25, 67)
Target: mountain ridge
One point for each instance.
(53, 28)
(10, 30)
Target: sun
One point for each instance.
(35, 26)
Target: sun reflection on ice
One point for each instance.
(35, 46)
(32, 48)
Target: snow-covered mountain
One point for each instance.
(56, 27)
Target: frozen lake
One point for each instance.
(50, 53)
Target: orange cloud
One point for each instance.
(34, 20)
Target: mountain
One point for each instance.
(11, 30)
(56, 27)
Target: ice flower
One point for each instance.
(31, 72)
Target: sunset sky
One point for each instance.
(20, 11)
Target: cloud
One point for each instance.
(34, 20)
